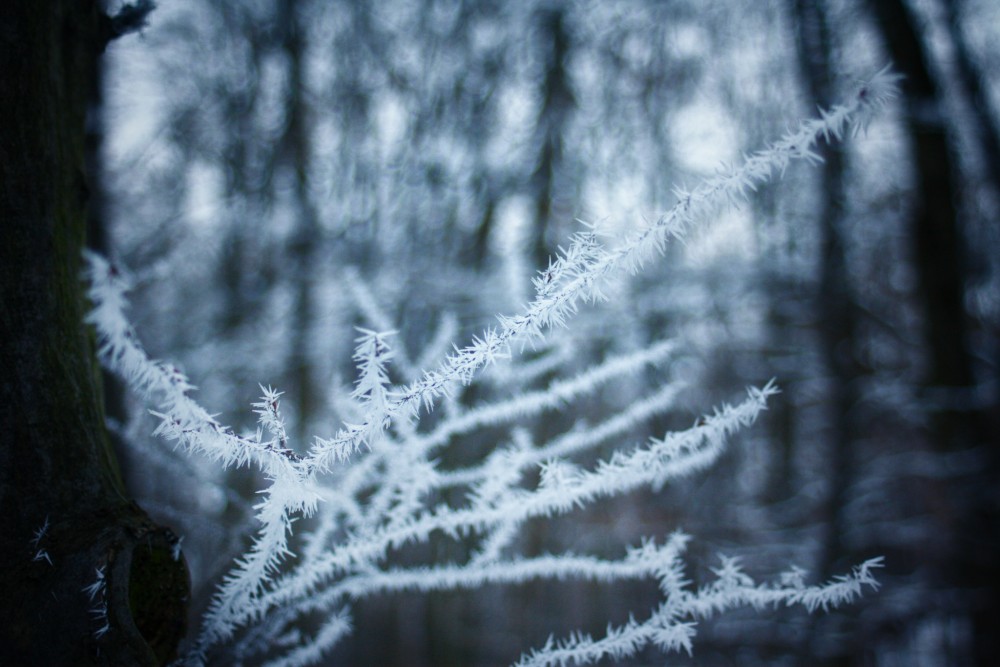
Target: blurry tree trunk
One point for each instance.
(65, 515)
(557, 102)
(971, 80)
(247, 268)
(780, 299)
(476, 257)
(835, 302)
(934, 224)
(240, 280)
(307, 234)
(967, 557)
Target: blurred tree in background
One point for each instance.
(279, 173)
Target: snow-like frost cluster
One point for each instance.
(374, 486)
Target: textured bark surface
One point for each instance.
(64, 515)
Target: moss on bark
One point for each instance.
(64, 513)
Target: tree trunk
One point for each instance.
(965, 554)
(302, 250)
(835, 308)
(87, 577)
(835, 302)
(557, 104)
(971, 79)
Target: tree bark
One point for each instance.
(87, 577)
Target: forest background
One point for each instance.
(277, 174)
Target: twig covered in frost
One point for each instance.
(584, 269)
(385, 499)
(36, 543)
(674, 455)
(97, 594)
(671, 627)
(181, 418)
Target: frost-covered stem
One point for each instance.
(376, 317)
(556, 395)
(674, 455)
(573, 442)
(246, 580)
(643, 563)
(668, 629)
(242, 586)
(181, 418)
(585, 268)
(332, 630)
(289, 493)
(395, 514)
(268, 409)
(577, 275)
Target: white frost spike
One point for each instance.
(97, 587)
